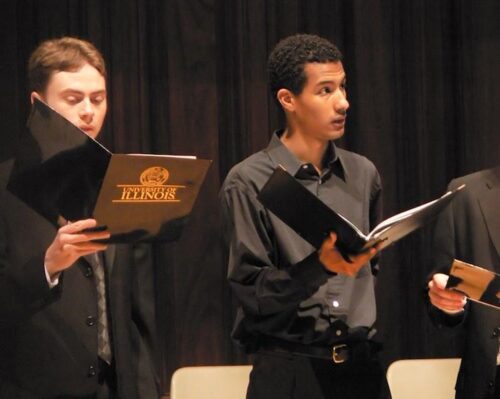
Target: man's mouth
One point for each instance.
(339, 122)
(87, 129)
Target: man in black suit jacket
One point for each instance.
(469, 230)
(49, 316)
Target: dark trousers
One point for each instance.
(285, 376)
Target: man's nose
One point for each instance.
(341, 104)
(87, 110)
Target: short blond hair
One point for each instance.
(58, 55)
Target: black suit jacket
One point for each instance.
(48, 343)
(469, 230)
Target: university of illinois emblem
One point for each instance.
(154, 176)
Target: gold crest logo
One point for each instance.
(154, 176)
(151, 189)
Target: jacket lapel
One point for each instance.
(490, 206)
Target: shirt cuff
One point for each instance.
(311, 272)
(452, 312)
(51, 281)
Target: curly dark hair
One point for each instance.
(286, 62)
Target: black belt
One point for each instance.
(338, 353)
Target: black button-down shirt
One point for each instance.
(284, 291)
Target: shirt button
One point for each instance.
(491, 384)
(335, 304)
(92, 372)
(90, 321)
(338, 333)
(88, 272)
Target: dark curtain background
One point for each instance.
(189, 77)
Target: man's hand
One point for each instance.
(331, 258)
(447, 300)
(70, 243)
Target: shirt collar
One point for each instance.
(281, 155)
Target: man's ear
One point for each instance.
(286, 99)
(35, 94)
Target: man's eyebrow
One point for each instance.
(331, 81)
(98, 92)
(72, 91)
(76, 91)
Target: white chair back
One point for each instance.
(423, 378)
(210, 382)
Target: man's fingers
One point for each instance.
(448, 306)
(78, 248)
(72, 242)
(440, 280)
(74, 238)
(364, 257)
(88, 251)
(367, 255)
(445, 299)
(448, 300)
(80, 227)
(351, 269)
(333, 238)
(330, 241)
(75, 227)
(378, 246)
(333, 260)
(81, 239)
(436, 287)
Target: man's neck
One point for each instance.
(305, 148)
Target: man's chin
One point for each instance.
(336, 134)
(91, 132)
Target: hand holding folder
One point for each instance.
(337, 262)
(478, 284)
(305, 213)
(65, 175)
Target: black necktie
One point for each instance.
(103, 339)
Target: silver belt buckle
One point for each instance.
(336, 357)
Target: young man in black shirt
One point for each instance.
(307, 314)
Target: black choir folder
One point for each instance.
(313, 220)
(478, 284)
(65, 175)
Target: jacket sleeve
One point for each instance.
(23, 288)
(444, 251)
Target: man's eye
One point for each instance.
(72, 99)
(98, 99)
(325, 90)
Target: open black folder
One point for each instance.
(305, 213)
(65, 175)
(478, 284)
